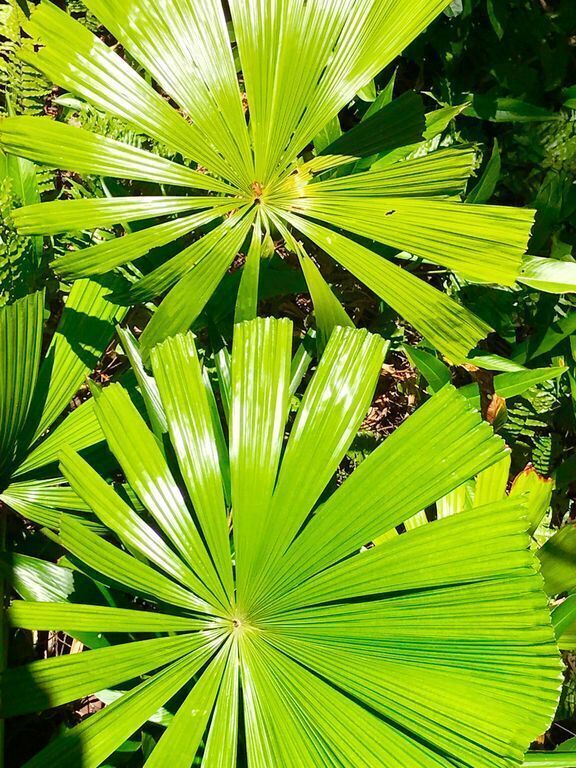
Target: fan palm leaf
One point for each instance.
(276, 625)
(35, 390)
(243, 143)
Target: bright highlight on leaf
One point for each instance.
(240, 143)
(281, 629)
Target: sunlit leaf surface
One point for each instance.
(286, 631)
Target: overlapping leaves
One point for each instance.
(36, 389)
(243, 149)
(267, 600)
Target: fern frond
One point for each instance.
(17, 257)
(23, 89)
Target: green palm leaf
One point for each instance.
(396, 124)
(334, 653)
(246, 152)
(443, 227)
(35, 391)
(94, 71)
(60, 216)
(188, 53)
(57, 144)
(20, 347)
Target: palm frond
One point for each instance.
(36, 391)
(245, 136)
(313, 615)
